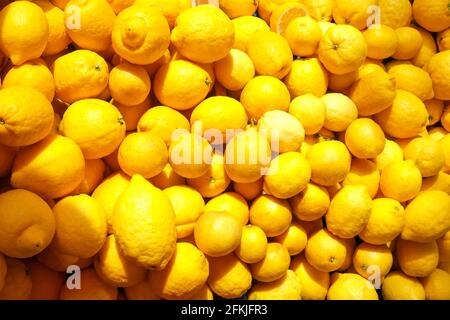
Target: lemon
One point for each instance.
(417, 259)
(93, 288)
(234, 8)
(399, 286)
(340, 111)
(306, 76)
(350, 286)
(391, 152)
(427, 155)
(353, 13)
(421, 86)
(428, 49)
(364, 138)
(287, 288)
(310, 111)
(274, 265)
(325, 252)
(401, 180)
(141, 291)
(271, 214)
(382, 41)
(46, 282)
(366, 173)
(18, 282)
(294, 239)
(436, 285)
(231, 203)
(253, 245)
(314, 283)
(129, 84)
(244, 28)
(235, 70)
(409, 43)
(433, 16)
(438, 68)
(303, 35)
(367, 256)
(310, 204)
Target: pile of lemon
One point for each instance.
(266, 149)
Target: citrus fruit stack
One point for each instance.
(264, 149)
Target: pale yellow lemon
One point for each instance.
(310, 111)
(340, 111)
(307, 76)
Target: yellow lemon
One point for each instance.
(57, 261)
(340, 111)
(341, 82)
(229, 277)
(438, 68)
(271, 214)
(303, 35)
(132, 114)
(409, 43)
(24, 31)
(368, 257)
(314, 283)
(43, 167)
(342, 49)
(427, 155)
(350, 246)
(181, 84)
(171, 9)
(401, 180)
(203, 34)
(406, 118)
(18, 282)
(27, 224)
(140, 35)
(140, 146)
(231, 203)
(444, 247)
(274, 265)
(364, 138)
(386, 221)
(129, 84)
(381, 41)
(286, 288)
(294, 239)
(421, 86)
(325, 252)
(399, 286)
(445, 118)
(445, 143)
(253, 245)
(441, 181)
(141, 291)
(395, 13)
(264, 93)
(417, 259)
(443, 40)
(188, 205)
(363, 172)
(283, 14)
(310, 111)
(330, 162)
(7, 155)
(235, 8)
(250, 191)
(353, 13)
(144, 224)
(92, 288)
(427, 216)
(93, 176)
(184, 276)
(310, 204)
(167, 178)
(433, 16)
(163, 121)
(46, 282)
(235, 70)
(113, 268)
(428, 49)
(307, 76)
(391, 152)
(270, 53)
(244, 28)
(26, 116)
(350, 286)
(437, 285)
(92, 27)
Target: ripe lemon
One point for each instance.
(426, 154)
(7, 155)
(18, 282)
(167, 178)
(417, 259)
(217, 233)
(382, 41)
(341, 82)
(441, 182)
(46, 282)
(386, 221)
(288, 175)
(181, 84)
(395, 13)
(363, 172)
(129, 84)
(144, 224)
(93, 176)
(24, 31)
(271, 214)
(26, 116)
(140, 34)
(184, 276)
(235, 70)
(215, 181)
(353, 13)
(132, 114)
(162, 121)
(232, 203)
(444, 247)
(203, 34)
(34, 74)
(445, 118)
(342, 49)
(141, 291)
(188, 205)
(113, 268)
(406, 118)
(216, 117)
(310, 111)
(368, 256)
(95, 125)
(364, 138)
(235, 9)
(250, 191)
(92, 27)
(43, 167)
(409, 43)
(310, 204)
(340, 111)
(445, 143)
(294, 239)
(314, 283)
(438, 68)
(401, 180)
(262, 94)
(413, 79)
(190, 155)
(143, 153)
(350, 246)
(307, 76)
(350, 286)
(270, 53)
(303, 35)
(27, 224)
(171, 9)
(373, 92)
(247, 156)
(57, 261)
(274, 265)
(253, 245)
(325, 252)
(330, 162)
(283, 14)
(391, 152)
(286, 288)
(428, 49)
(92, 288)
(399, 286)
(349, 211)
(437, 285)
(433, 16)
(229, 277)
(443, 40)
(108, 192)
(427, 216)
(244, 28)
